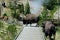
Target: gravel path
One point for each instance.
(31, 33)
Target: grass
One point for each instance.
(58, 34)
(7, 36)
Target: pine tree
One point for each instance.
(27, 8)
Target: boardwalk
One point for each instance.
(31, 33)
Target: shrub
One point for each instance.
(12, 29)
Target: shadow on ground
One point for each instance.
(52, 39)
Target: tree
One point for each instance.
(27, 8)
(50, 4)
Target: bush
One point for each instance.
(12, 29)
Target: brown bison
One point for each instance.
(30, 18)
(49, 29)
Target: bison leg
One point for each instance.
(30, 22)
(26, 24)
(37, 25)
(46, 35)
(54, 36)
(50, 35)
(45, 38)
(54, 32)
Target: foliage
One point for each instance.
(43, 15)
(50, 4)
(50, 8)
(15, 15)
(12, 6)
(46, 15)
(53, 11)
(4, 14)
(21, 8)
(12, 29)
(1, 24)
(8, 38)
(27, 8)
(9, 31)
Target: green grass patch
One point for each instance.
(7, 34)
(58, 33)
(57, 36)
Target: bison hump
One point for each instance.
(31, 16)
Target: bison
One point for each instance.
(30, 18)
(49, 29)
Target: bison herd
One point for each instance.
(48, 26)
(30, 18)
